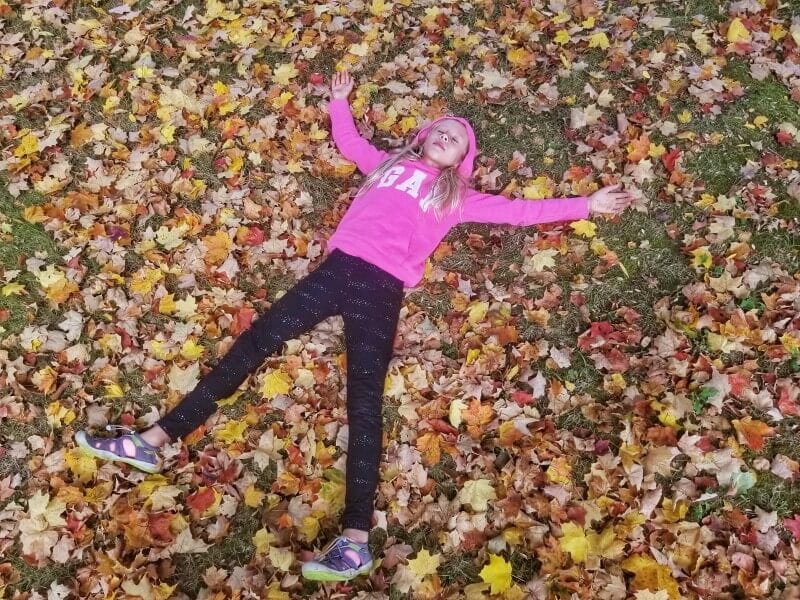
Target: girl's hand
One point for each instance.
(341, 85)
(609, 200)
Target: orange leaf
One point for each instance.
(638, 148)
(476, 416)
(429, 445)
(752, 433)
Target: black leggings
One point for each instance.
(369, 299)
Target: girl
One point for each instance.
(406, 205)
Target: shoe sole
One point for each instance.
(80, 438)
(324, 575)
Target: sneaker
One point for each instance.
(129, 448)
(341, 560)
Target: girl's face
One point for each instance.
(445, 145)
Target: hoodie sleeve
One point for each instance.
(347, 139)
(493, 208)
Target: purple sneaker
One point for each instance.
(341, 560)
(129, 448)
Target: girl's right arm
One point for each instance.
(343, 128)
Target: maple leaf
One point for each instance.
(82, 465)
(539, 261)
(424, 564)
(497, 573)
(476, 493)
(574, 541)
(752, 432)
(585, 228)
(649, 575)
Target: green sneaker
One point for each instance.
(341, 560)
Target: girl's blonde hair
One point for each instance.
(447, 191)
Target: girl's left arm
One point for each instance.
(479, 207)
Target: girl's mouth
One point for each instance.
(439, 144)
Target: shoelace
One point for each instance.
(119, 427)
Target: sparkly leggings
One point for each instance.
(369, 299)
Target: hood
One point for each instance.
(467, 163)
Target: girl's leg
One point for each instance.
(369, 330)
(312, 300)
(370, 312)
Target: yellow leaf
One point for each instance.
(315, 133)
(359, 50)
(253, 497)
(519, 56)
(656, 150)
(191, 350)
(166, 305)
(456, 406)
(58, 416)
(144, 279)
(113, 390)
(281, 558)
(163, 591)
(262, 540)
(737, 32)
(34, 214)
(424, 564)
(378, 7)
(562, 37)
(27, 145)
(585, 228)
(12, 288)
(82, 465)
(284, 73)
(702, 257)
(648, 574)
(777, 31)
(477, 312)
(231, 432)
(151, 482)
(472, 355)
(605, 544)
(559, 471)
(684, 116)
(574, 541)
(276, 382)
(760, 121)
(309, 528)
(230, 400)
(541, 187)
(599, 40)
(497, 573)
(476, 493)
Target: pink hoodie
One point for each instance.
(393, 227)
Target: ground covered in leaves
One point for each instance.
(604, 410)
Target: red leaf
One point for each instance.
(669, 158)
(793, 525)
(522, 398)
(784, 138)
(202, 499)
(254, 237)
(159, 527)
